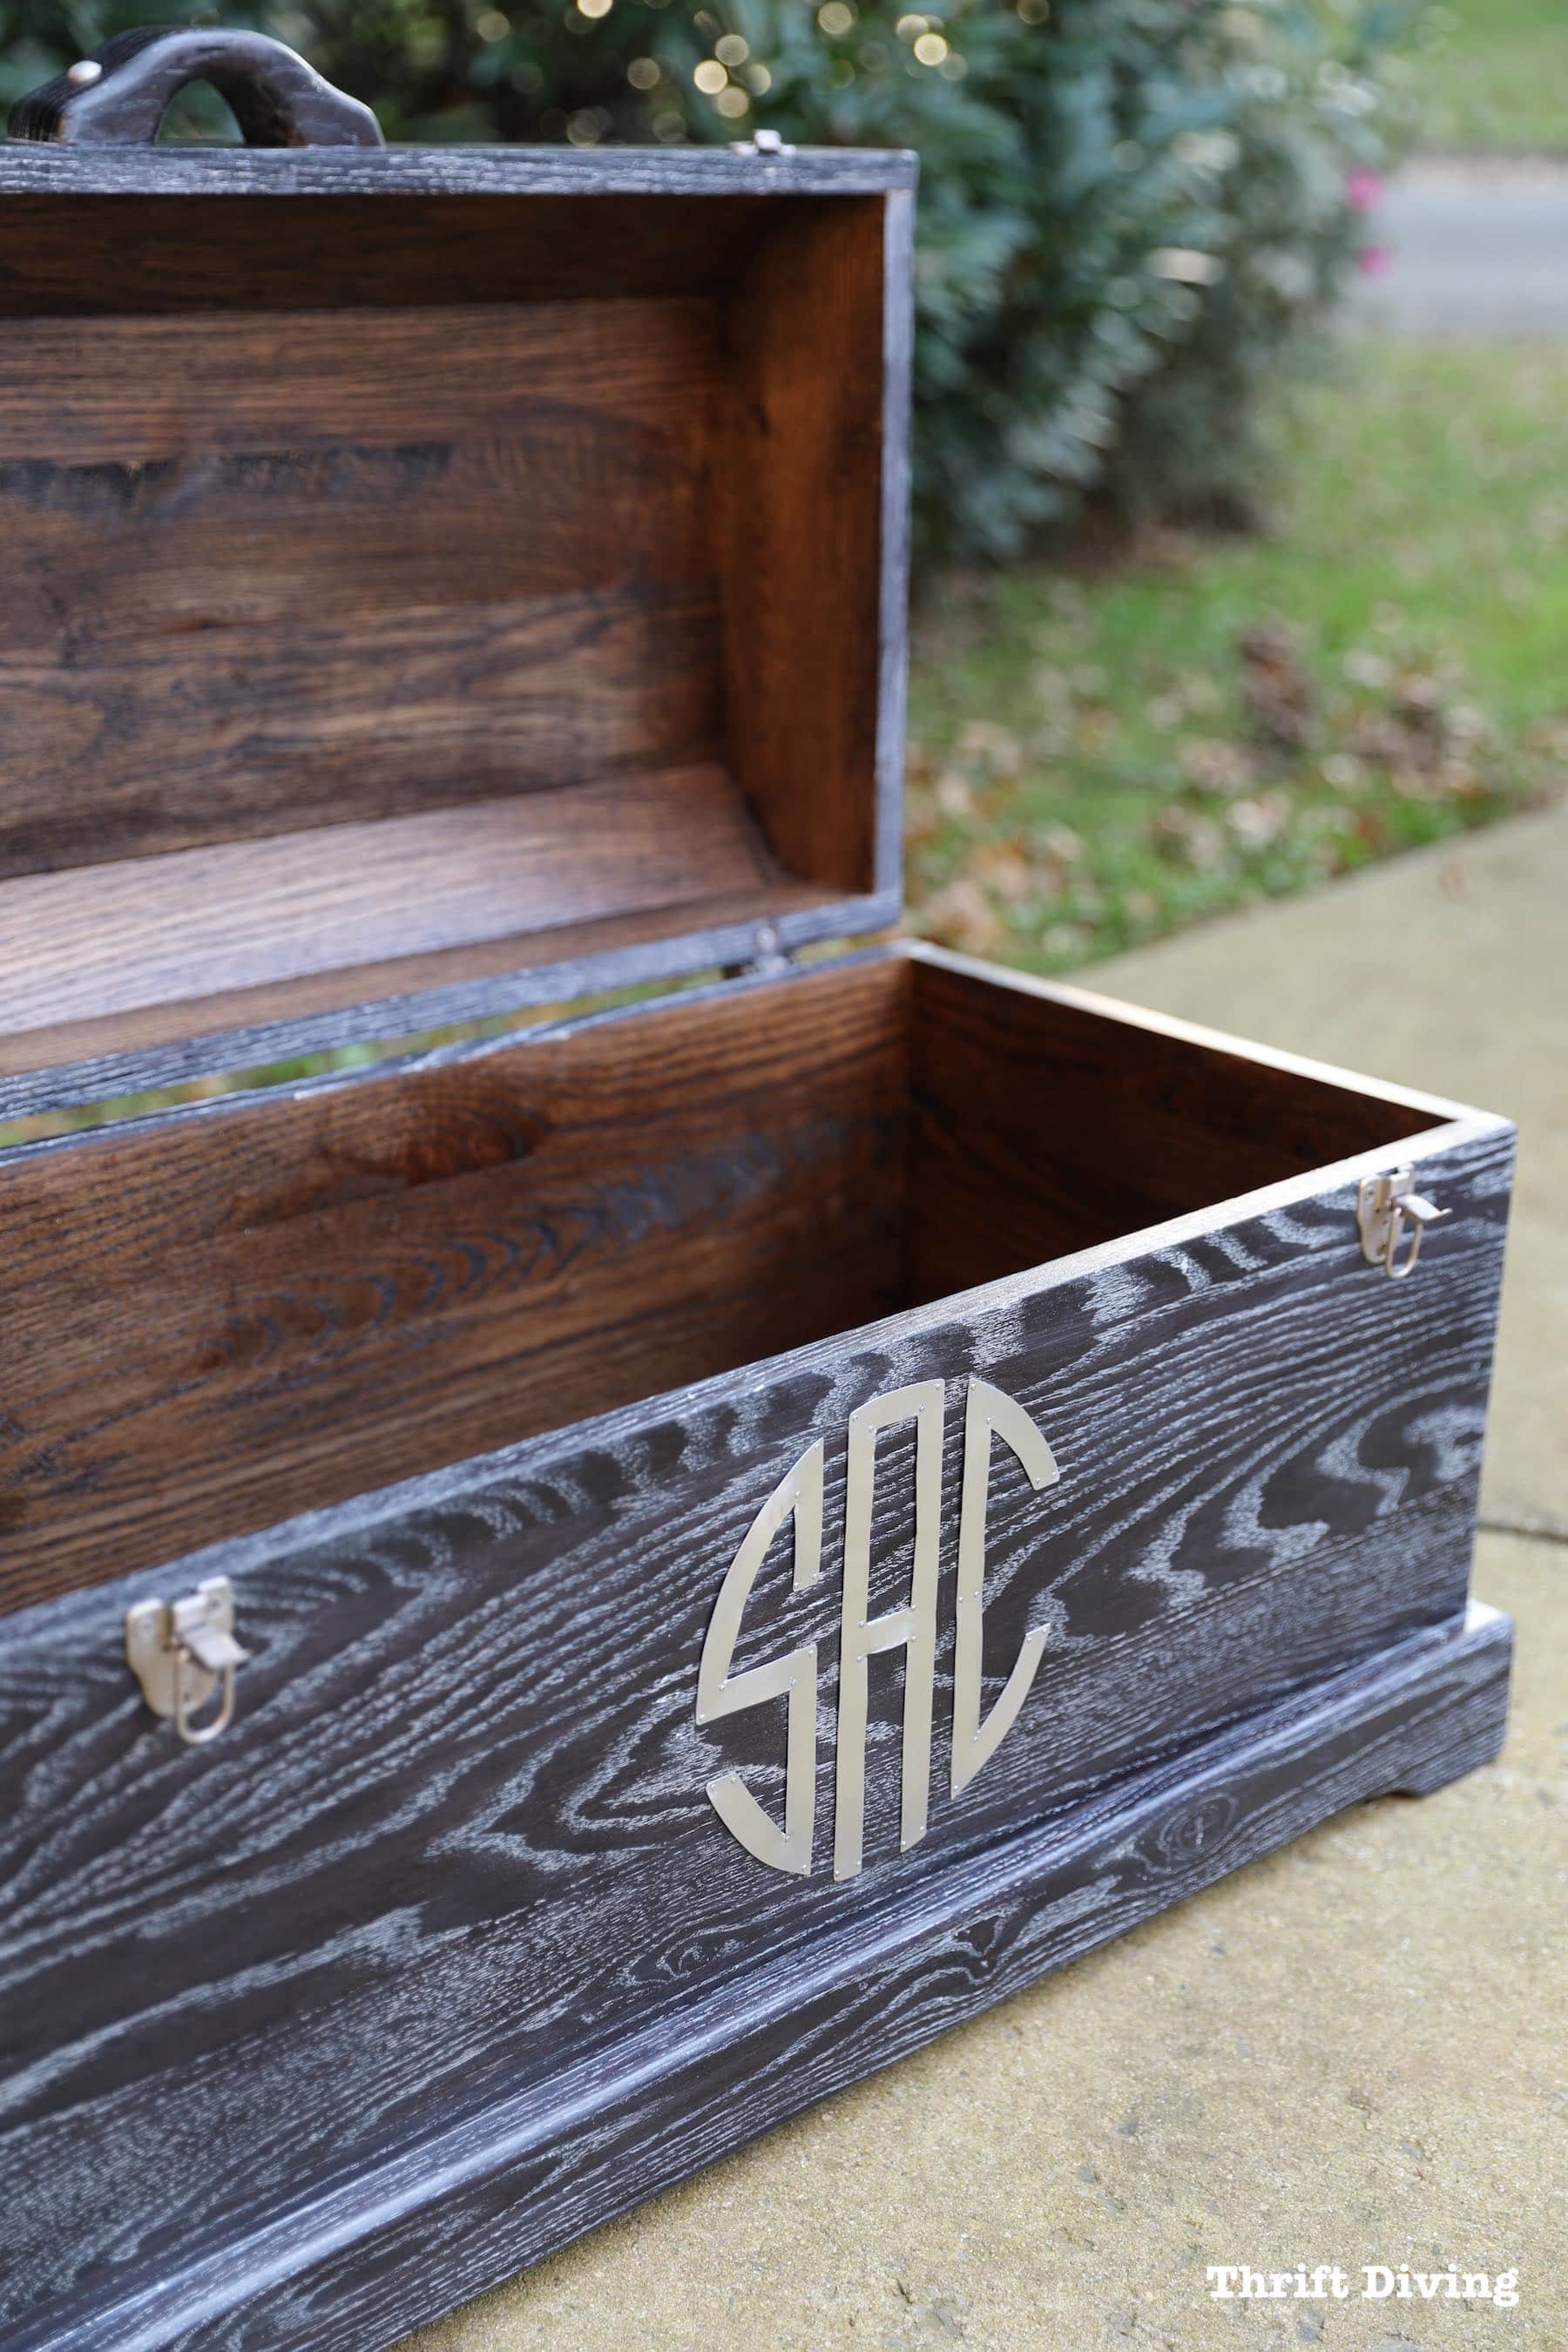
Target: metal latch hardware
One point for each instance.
(768, 959)
(768, 143)
(1384, 1206)
(181, 1652)
(769, 954)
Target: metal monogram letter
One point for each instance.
(720, 1693)
(911, 1628)
(973, 1741)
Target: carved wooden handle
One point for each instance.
(119, 96)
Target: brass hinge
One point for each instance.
(1384, 1206)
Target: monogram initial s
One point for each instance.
(798, 1497)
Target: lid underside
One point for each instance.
(371, 660)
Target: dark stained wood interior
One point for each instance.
(798, 507)
(141, 932)
(1039, 1125)
(295, 550)
(226, 1315)
(212, 1323)
(586, 947)
(65, 257)
(307, 570)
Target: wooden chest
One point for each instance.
(566, 1596)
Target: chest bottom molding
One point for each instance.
(467, 2205)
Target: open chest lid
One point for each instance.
(437, 581)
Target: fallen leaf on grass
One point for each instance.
(995, 747)
(1058, 842)
(960, 916)
(1190, 837)
(1258, 822)
(1001, 867)
(1215, 765)
(1275, 690)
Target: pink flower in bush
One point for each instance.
(1371, 260)
(1363, 189)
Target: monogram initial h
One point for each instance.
(911, 1628)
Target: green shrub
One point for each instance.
(1131, 211)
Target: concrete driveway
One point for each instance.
(1475, 250)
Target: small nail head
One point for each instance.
(82, 74)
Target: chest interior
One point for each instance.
(217, 1319)
(403, 590)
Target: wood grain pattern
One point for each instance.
(292, 571)
(155, 931)
(379, 1273)
(799, 512)
(298, 546)
(140, 254)
(324, 1292)
(142, 392)
(456, 1841)
(451, 173)
(437, 2220)
(522, 2181)
(898, 404)
(1039, 1125)
(111, 1055)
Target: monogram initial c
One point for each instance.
(911, 1628)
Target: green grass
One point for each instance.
(1103, 756)
(1494, 73)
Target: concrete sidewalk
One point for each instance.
(1353, 2052)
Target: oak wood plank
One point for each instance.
(521, 2180)
(382, 715)
(221, 244)
(152, 931)
(306, 2009)
(310, 1296)
(1041, 1125)
(799, 518)
(140, 392)
(107, 1057)
(301, 176)
(293, 568)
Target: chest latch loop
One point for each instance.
(1386, 1206)
(181, 1652)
